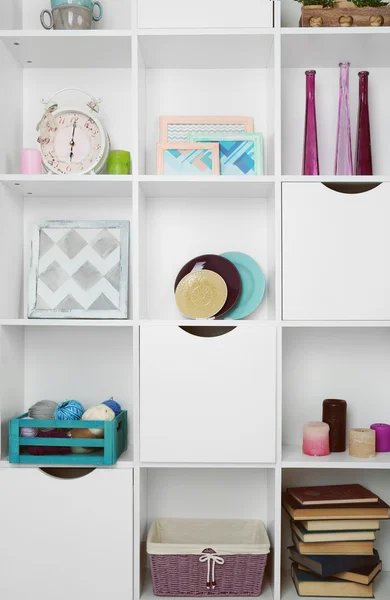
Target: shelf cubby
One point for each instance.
(206, 493)
(174, 431)
(21, 213)
(328, 362)
(56, 64)
(89, 364)
(94, 495)
(327, 285)
(323, 52)
(174, 230)
(211, 74)
(375, 479)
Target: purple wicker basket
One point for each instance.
(232, 563)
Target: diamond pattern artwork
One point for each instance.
(187, 162)
(237, 158)
(187, 159)
(79, 269)
(71, 243)
(238, 154)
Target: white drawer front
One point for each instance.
(66, 538)
(208, 399)
(216, 14)
(336, 249)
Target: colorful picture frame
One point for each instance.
(239, 155)
(175, 129)
(188, 159)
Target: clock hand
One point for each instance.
(72, 142)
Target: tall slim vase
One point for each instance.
(310, 150)
(343, 160)
(363, 141)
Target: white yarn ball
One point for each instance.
(98, 413)
(80, 450)
(28, 431)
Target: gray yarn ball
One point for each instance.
(44, 409)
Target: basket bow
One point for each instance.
(212, 560)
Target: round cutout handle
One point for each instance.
(44, 24)
(99, 16)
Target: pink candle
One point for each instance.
(316, 438)
(382, 439)
(30, 161)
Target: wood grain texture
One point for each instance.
(316, 16)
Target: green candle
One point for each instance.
(119, 162)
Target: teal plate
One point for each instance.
(253, 285)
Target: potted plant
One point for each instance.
(344, 13)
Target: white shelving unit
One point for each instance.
(147, 58)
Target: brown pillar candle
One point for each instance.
(334, 412)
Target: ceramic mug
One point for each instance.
(119, 162)
(86, 3)
(67, 17)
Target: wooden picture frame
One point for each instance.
(188, 159)
(79, 270)
(239, 155)
(175, 129)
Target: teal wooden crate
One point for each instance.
(109, 448)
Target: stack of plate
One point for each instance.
(231, 285)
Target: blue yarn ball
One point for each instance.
(69, 410)
(113, 405)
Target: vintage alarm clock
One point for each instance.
(72, 140)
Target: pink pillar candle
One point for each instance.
(316, 438)
(382, 439)
(30, 161)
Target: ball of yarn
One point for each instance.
(50, 450)
(98, 413)
(70, 410)
(81, 434)
(115, 406)
(44, 409)
(28, 431)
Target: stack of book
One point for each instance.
(333, 529)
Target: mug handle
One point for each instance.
(97, 18)
(43, 13)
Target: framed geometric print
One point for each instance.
(79, 270)
(187, 159)
(240, 154)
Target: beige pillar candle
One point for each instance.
(362, 443)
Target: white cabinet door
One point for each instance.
(65, 538)
(208, 399)
(169, 14)
(336, 250)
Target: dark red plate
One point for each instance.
(224, 268)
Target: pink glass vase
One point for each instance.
(363, 141)
(343, 160)
(310, 150)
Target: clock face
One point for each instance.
(71, 142)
